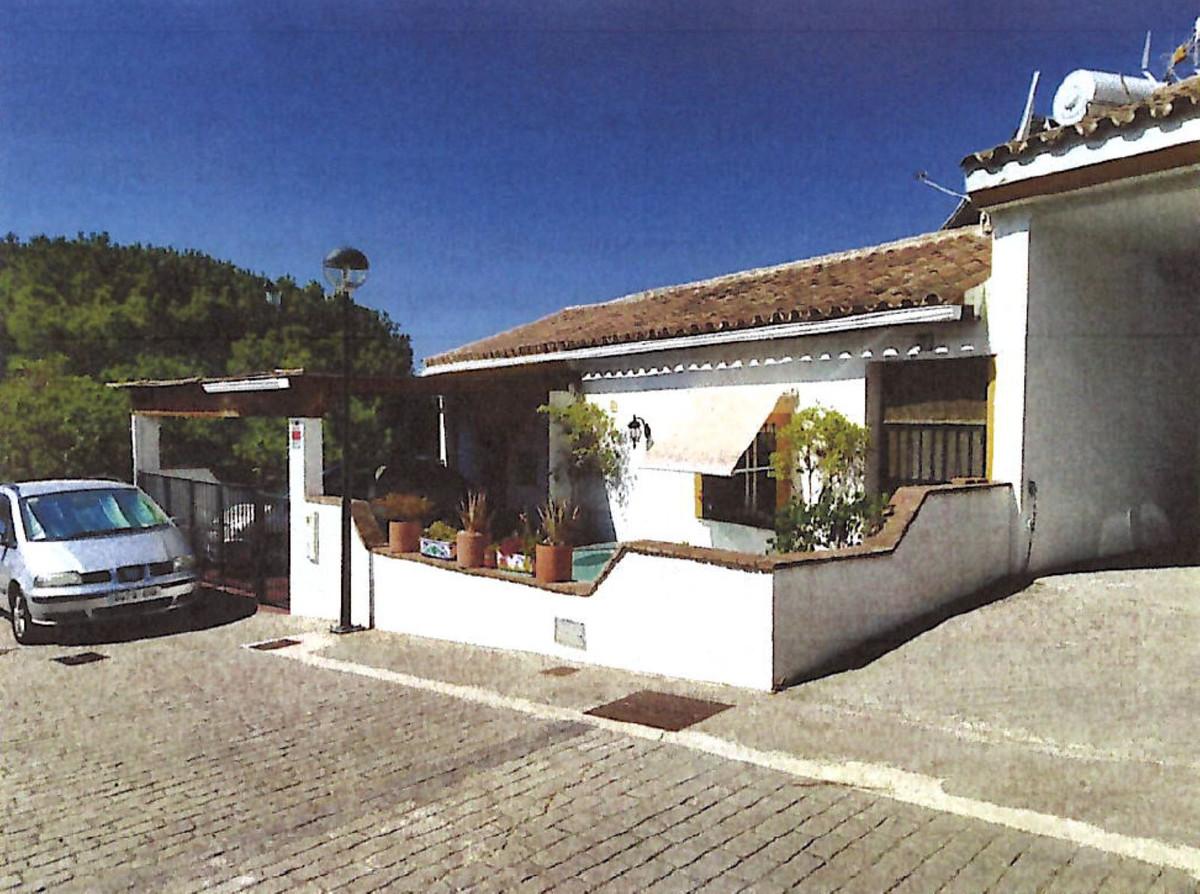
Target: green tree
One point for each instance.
(60, 425)
(107, 312)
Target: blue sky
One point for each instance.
(500, 160)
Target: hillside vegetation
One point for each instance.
(77, 313)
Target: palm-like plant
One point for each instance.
(474, 513)
(559, 522)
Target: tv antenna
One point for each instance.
(1027, 115)
(923, 176)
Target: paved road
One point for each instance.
(184, 762)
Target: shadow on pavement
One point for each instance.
(872, 650)
(210, 608)
(866, 653)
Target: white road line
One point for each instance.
(899, 785)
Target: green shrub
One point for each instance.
(596, 445)
(440, 530)
(824, 457)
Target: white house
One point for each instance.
(1054, 348)
(1051, 349)
(891, 336)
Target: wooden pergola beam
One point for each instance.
(296, 393)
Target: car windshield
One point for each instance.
(72, 514)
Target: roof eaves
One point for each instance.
(1176, 100)
(694, 327)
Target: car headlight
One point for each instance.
(185, 563)
(61, 579)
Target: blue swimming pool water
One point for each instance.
(588, 561)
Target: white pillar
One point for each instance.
(1007, 311)
(145, 432)
(559, 455)
(305, 461)
(443, 452)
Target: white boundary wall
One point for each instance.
(958, 542)
(651, 614)
(316, 586)
(668, 615)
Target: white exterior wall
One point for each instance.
(959, 542)
(316, 586)
(315, 534)
(651, 614)
(661, 502)
(830, 370)
(1111, 414)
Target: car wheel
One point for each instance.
(24, 630)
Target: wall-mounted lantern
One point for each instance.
(639, 428)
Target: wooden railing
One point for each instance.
(930, 453)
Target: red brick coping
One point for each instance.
(903, 508)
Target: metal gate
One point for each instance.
(238, 534)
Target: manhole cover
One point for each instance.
(660, 710)
(560, 671)
(275, 644)
(79, 658)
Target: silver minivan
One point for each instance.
(80, 550)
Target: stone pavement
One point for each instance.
(184, 762)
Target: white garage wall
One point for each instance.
(1111, 415)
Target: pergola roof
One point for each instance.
(297, 392)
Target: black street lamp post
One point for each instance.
(345, 270)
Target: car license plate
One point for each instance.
(137, 595)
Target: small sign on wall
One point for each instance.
(296, 435)
(569, 633)
(312, 541)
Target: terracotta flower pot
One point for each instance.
(552, 564)
(471, 545)
(404, 536)
(489, 557)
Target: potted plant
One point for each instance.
(512, 555)
(559, 520)
(439, 541)
(405, 515)
(473, 537)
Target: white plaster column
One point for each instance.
(559, 480)
(145, 432)
(443, 450)
(305, 461)
(1007, 314)
(1007, 318)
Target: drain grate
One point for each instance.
(80, 658)
(275, 644)
(661, 710)
(560, 671)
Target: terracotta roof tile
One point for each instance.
(936, 268)
(1175, 100)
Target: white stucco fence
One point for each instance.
(651, 614)
(958, 541)
(695, 614)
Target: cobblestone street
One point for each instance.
(184, 762)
